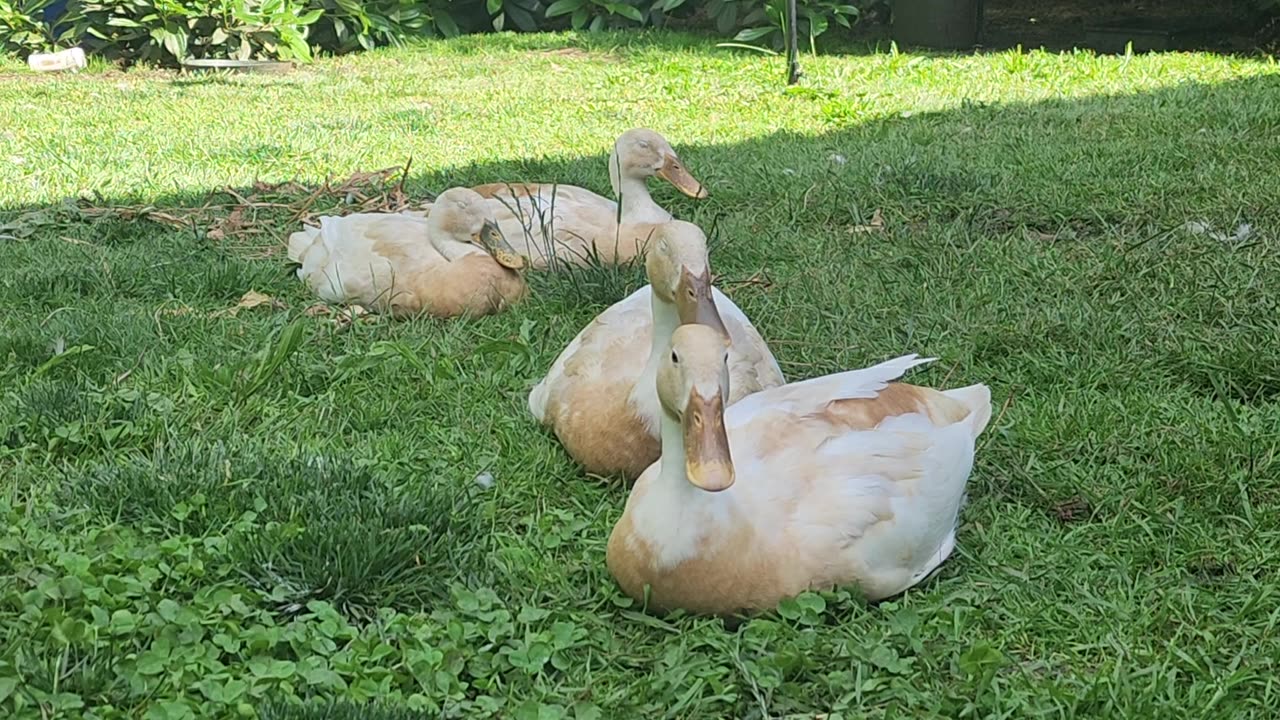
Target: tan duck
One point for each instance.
(454, 262)
(598, 396)
(583, 223)
(850, 479)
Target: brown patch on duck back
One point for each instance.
(493, 190)
(894, 400)
(397, 251)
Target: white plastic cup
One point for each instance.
(70, 59)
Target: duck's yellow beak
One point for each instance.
(695, 303)
(707, 462)
(495, 243)
(673, 172)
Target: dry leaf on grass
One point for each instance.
(352, 314)
(257, 220)
(876, 224)
(318, 310)
(250, 300)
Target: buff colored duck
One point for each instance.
(454, 262)
(598, 396)
(582, 223)
(847, 479)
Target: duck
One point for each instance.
(453, 262)
(585, 225)
(847, 480)
(598, 395)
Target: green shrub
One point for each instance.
(23, 31)
(165, 31)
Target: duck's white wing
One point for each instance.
(361, 257)
(808, 395)
(867, 477)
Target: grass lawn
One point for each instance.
(208, 514)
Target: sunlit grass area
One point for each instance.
(217, 514)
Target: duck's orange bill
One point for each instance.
(707, 462)
(695, 303)
(495, 243)
(673, 172)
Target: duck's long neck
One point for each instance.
(671, 468)
(445, 244)
(665, 321)
(632, 194)
(671, 472)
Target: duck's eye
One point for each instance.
(644, 144)
(675, 359)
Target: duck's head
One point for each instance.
(640, 154)
(678, 269)
(460, 215)
(693, 382)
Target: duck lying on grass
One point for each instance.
(584, 225)
(847, 479)
(598, 397)
(453, 262)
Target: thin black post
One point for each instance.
(793, 53)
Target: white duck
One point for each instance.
(847, 479)
(454, 262)
(583, 223)
(598, 397)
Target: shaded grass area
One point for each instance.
(1114, 557)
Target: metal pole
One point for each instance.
(793, 53)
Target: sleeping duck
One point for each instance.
(453, 262)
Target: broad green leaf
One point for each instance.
(755, 33)
(444, 21)
(151, 663)
(563, 7)
(630, 12)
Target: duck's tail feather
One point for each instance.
(978, 399)
(301, 242)
(538, 401)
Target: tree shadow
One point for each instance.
(1059, 181)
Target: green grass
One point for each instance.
(269, 507)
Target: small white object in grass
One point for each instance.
(839, 159)
(788, 171)
(69, 59)
(485, 480)
(1195, 227)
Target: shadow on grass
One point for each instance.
(1042, 248)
